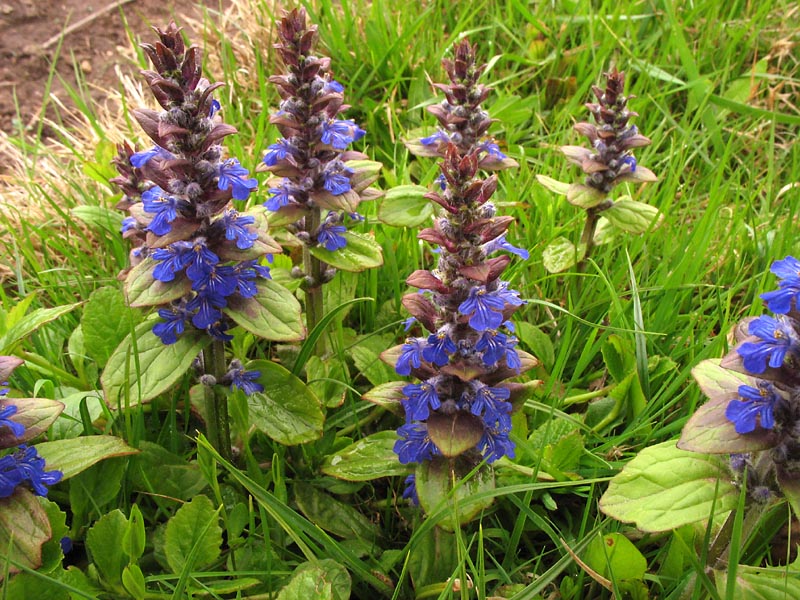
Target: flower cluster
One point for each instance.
(764, 410)
(316, 185)
(190, 245)
(609, 161)
(24, 465)
(461, 405)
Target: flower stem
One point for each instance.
(313, 288)
(217, 420)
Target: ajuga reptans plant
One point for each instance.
(754, 396)
(608, 162)
(197, 259)
(459, 409)
(318, 183)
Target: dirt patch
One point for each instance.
(30, 49)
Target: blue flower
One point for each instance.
(140, 159)
(332, 87)
(414, 444)
(630, 161)
(442, 181)
(780, 300)
(217, 281)
(201, 260)
(232, 174)
(235, 229)
(495, 346)
(173, 324)
(278, 151)
(247, 381)
(495, 443)
(410, 491)
(420, 398)
(207, 307)
(778, 339)
(407, 323)
(410, 356)
(128, 223)
(165, 208)
(6, 412)
(435, 139)
(214, 108)
(329, 235)
(490, 403)
(279, 196)
(500, 243)
(217, 331)
(439, 348)
(335, 178)
(172, 259)
(492, 149)
(752, 402)
(484, 308)
(10, 476)
(31, 469)
(339, 133)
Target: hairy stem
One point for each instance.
(313, 285)
(217, 419)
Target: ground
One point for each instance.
(95, 36)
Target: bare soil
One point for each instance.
(30, 48)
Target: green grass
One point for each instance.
(726, 162)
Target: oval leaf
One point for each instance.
(24, 528)
(159, 366)
(193, 536)
(434, 483)
(141, 289)
(361, 253)
(560, 255)
(405, 206)
(272, 314)
(105, 322)
(287, 410)
(35, 414)
(369, 458)
(559, 187)
(331, 515)
(665, 487)
(632, 216)
(388, 395)
(30, 323)
(584, 196)
(75, 455)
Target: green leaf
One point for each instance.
(99, 217)
(156, 470)
(560, 255)
(133, 581)
(318, 580)
(665, 487)
(96, 486)
(24, 528)
(538, 342)
(328, 380)
(388, 395)
(618, 357)
(35, 414)
(361, 253)
(369, 458)
(104, 549)
(709, 430)
(287, 410)
(632, 216)
(27, 324)
(615, 557)
(133, 541)
(559, 187)
(272, 314)
(584, 196)
(331, 515)
(193, 530)
(105, 322)
(405, 206)
(142, 289)
(70, 425)
(75, 455)
(435, 485)
(159, 365)
(754, 583)
(366, 356)
(455, 433)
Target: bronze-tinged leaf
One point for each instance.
(142, 289)
(148, 120)
(455, 434)
(7, 366)
(429, 234)
(640, 175)
(732, 361)
(527, 362)
(24, 528)
(421, 309)
(182, 229)
(388, 395)
(425, 280)
(576, 154)
(390, 356)
(348, 201)
(464, 371)
(709, 431)
(490, 162)
(35, 414)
